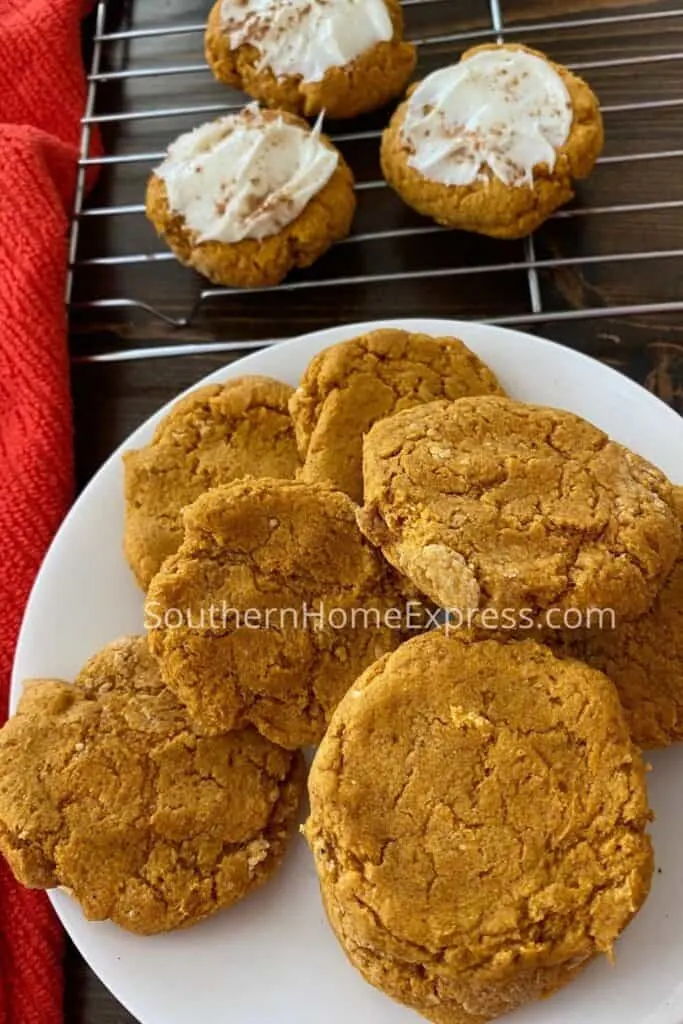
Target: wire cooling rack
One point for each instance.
(148, 82)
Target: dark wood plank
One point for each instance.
(87, 1000)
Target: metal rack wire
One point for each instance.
(102, 78)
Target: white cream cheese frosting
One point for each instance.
(247, 175)
(306, 37)
(499, 112)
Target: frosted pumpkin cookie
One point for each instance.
(478, 822)
(249, 197)
(216, 434)
(494, 143)
(644, 659)
(108, 790)
(272, 606)
(345, 57)
(490, 504)
(348, 387)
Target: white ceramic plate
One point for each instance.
(273, 959)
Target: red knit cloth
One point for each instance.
(41, 101)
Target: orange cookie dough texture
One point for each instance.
(370, 81)
(261, 262)
(478, 823)
(349, 387)
(487, 503)
(216, 434)
(107, 790)
(272, 551)
(644, 659)
(489, 206)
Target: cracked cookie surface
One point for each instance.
(487, 503)
(644, 659)
(478, 817)
(348, 387)
(260, 560)
(108, 790)
(218, 433)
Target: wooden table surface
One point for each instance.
(111, 398)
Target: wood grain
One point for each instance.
(111, 399)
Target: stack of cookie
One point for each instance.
(492, 144)
(164, 783)
(478, 804)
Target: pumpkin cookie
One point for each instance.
(249, 197)
(478, 817)
(348, 387)
(494, 143)
(344, 57)
(108, 790)
(216, 434)
(644, 659)
(486, 503)
(272, 606)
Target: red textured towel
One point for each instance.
(41, 101)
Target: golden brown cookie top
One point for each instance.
(348, 387)
(479, 808)
(107, 790)
(644, 659)
(125, 669)
(217, 433)
(490, 503)
(273, 605)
